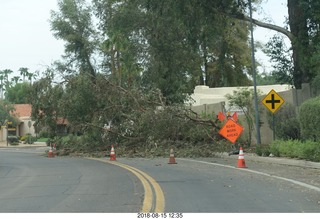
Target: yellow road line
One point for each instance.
(160, 203)
(148, 197)
(147, 181)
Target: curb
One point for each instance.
(275, 160)
(21, 145)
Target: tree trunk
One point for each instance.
(204, 80)
(298, 36)
(300, 45)
(119, 66)
(113, 65)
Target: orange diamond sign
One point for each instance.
(231, 130)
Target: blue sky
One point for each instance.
(26, 39)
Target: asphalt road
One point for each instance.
(193, 186)
(31, 182)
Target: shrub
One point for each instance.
(308, 150)
(309, 119)
(43, 134)
(83, 143)
(13, 140)
(262, 151)
(274, 149)
(287, 124)
(28, 139)
(42, 139)
(23, 138)
(312, 151)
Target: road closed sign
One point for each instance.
(231, 130)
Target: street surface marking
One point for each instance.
(148, 183)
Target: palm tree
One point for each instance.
(15, 79)
(32, 76)
(6, 73)
(1, 83)
(4, 80)
(24, 72)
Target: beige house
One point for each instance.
(205, 95)
(25, 126)
(213, 100)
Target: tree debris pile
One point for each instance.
(140, 122)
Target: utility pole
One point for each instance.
(254, 79)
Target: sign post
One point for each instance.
(272, 101)
(8, 129)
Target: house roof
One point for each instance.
(62, 121)
(22, 110)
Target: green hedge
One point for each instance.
(13, 140)
(309, 117)
(308, 150)
(287, 124)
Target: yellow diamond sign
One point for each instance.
(272, 101)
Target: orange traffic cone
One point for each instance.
(50, 153)
(241, 161)
(172, 160)
(112, 154)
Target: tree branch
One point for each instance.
(270, 26)
(243, 17)
(126, 92)
(114, 132)
(203, 121)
